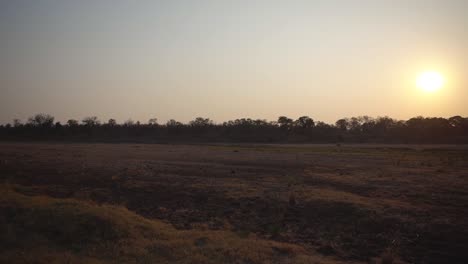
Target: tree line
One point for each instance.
(362, 129)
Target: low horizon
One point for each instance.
(158, 121)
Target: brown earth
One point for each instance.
(360, 203)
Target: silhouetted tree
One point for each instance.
(41, 120)
(91, 121)
(200, 121)
(342, 124)
(153, 122)
(173, 123)
(285, 122)
(457, 121)
(304, 129)
(355, 124)
(304, 122)
(111, 122)
(72, 123)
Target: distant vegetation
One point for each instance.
(362, 129)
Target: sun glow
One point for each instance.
(430, 81)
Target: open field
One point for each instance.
(72, 203)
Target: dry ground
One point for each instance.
(234, 203)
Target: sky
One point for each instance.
(224, 60)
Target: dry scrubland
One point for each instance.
(94, 203)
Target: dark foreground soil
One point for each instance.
(369, 203)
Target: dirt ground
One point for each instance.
(369, 203)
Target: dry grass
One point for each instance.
(38, 229)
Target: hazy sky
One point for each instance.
(231, 59)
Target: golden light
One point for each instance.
(430, 81)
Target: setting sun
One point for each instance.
(430, 81)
